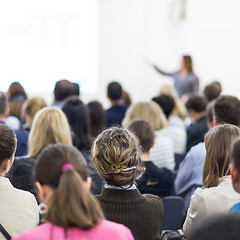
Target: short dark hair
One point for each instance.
(209, 111)
(212, 91)
(114, 91)
(7, 143)
(3, 103)
(196, 103)
(235, 154)
(166, 102)
(145, 133)
(218, 227)
(63, 89)
(227, 110)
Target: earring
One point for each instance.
(42, 208)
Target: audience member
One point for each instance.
(18, 209)
(212, 91)
(217, 227)
(217, 194)
(49, 126)
(98, 118)
(16, 97)
(162, 153)
(116, 153)
(196, 106)
(235, 172)
(71, 211)
(178, 135)
(22, 135)
(30, 108)
(78, 119)
(126, 98)
(116, 113)
(157, 181)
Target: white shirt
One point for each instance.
(18, 209)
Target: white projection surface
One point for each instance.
(48, 40)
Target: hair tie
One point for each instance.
(67, 166)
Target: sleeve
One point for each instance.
(197, 210)
(162, 72)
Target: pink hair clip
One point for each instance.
(67, 166)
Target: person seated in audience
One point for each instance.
(189, 174)
(218, 227)
(126, 98)
(217, 194)
(69, 209)
(22, 135)
(196, 106)
(235, 172)
(157, 181)
(63, 89)
(178, 134)
(98, 118)
(162, 153)
(16, 97)
(18, 209)
(179, 109)
(49, 126)
(116, 112)
(30, 108)
(212, 91)
(78, 119)
(117, 156)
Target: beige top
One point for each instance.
(207, 201)
(18, 209)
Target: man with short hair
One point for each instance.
(116, 113)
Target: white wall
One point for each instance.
(130, 30)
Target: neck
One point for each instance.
(116, 102)
(145, 157)
(199, 115)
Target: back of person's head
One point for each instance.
(78, 118)
(116, 154)
(188, 63)
(62, 90)
(98, 118)
(33, 105)
(149, 111)
(114, 91)
(63, 169)
(209, 114)
(218, 144)
(235, 154)
(145, 133)
(3, 104)
(49, 126)
(8, 144)
(166, 102)
(76, 89)
(126, 98)
(196, 103)
(227, 110)
(212, 91)
(16, 90)
(217, 227)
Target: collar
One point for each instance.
(125, 187)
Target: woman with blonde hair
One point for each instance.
(217, 194)
(117, 157)
(68, 207)
(50, 126)
(162, 153)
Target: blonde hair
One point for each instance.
(32, 106)
(218, 143)
(49, 126)
(148, 111)
(179, 109)
(116, 154)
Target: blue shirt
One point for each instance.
(235, 208)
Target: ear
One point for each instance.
(40, 191)
(7, 112)
(215, 123)
(88, 183)
(6, 166)
(154, 141)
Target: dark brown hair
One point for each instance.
(8, 143)
(3, 103)
(197, 103)
(116, 154)
(16, 90)
(145, 133)
(71, 203)
(235, 154)
(212, 91)
(188, 63)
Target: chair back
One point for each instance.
(173, 213)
